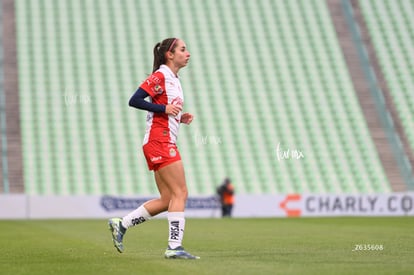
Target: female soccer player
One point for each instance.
(159, 146)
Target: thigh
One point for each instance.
(163, 188)
(173, 177)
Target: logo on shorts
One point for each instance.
(173, 153)
(154, 159)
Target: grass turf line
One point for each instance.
(226, 246)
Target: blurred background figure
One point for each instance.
(226, 193)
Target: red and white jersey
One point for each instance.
(164, 88)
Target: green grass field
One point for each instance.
(226, 246)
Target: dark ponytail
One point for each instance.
(161, 49)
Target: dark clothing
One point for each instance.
(138, 101)
(226, 193)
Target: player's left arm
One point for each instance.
(186, 118)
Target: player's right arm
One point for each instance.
(138, 101)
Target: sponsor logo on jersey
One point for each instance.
(158, 89)
(178, 101)
(171, 84)
(153, 79)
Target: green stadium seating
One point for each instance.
(390, 24)
(262, 74)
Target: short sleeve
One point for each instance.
(154, 84)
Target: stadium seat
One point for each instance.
(390, 26)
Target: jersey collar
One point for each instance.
(168, 70)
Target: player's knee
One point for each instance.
(181, 194)
(165, 201)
